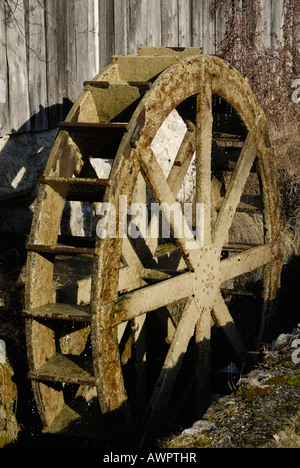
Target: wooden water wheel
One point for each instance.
(138, 323)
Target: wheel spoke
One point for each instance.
(250, 260)
(235, 190)
(203, 359)
(203, 159)
(224, 320)
(165, 197)
(172, 364)
(182, 160)
(175, 177)
(136, 303)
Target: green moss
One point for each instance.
(8, 389)
(278, 380)
(250, 394)
(285, 364)
(8, 395)
(190, 442)
(293, 381)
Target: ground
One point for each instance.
(262, 412)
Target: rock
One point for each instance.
(282, 340)
(255, 378)
(198, 428)
(8, 395)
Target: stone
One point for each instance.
(199, 427)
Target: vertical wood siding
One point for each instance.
(54, 45)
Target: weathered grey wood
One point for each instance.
(54, 45)
(184, 23)
(169, 17)
(121, 26)
(137, 25)
(197, 23)
(4, 117)
(106, 32)
(267, 22)
(17, 74)
(61, 368)
(277, 18)
(36, 64)
(154, 23)
(209, 27)
(55, 52)
(56, 311)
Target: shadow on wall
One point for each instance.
(23, 157)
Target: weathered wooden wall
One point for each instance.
(49, 47)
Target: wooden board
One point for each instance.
(59, 44)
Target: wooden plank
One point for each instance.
(60, 312)
(184, 23)
(17, 73)
(106, 32)
(36, 64)
(77, 189)
(4, 110)
(249, 260)
(45, 78)
(137, 25)
(277, 21)
(203, 160)
(60, 249)
(221, 25)
(267, 24)
(65, 369)
(248, 204)
(74, 18)
(117, 127)
(197, 15)
(121, 26)
(169, 18)
(99, 140)
(58, 101)
(83, 26)
(142, 85)
(154, 23)
(92, 38)
(208, 27)
(134, 304)
(239, 247)
(116, 102)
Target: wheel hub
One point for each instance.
(207, 278)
